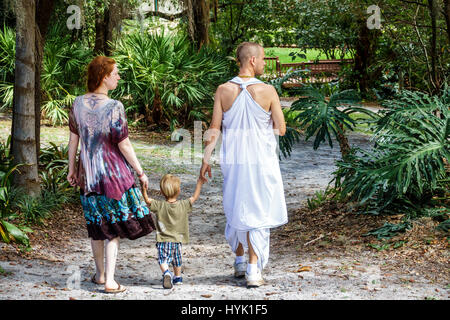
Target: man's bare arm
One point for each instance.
(212, 135)
(279, 124)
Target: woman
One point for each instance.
(111, 202)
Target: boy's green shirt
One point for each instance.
(172, 224)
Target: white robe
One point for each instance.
(253, 193)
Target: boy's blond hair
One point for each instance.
(169, 185)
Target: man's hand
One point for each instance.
(205, 168)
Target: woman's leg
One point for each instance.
(112, 247)
(98, 250)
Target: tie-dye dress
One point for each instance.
(112, 204)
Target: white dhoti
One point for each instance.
(253, 193)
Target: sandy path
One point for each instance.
(208, 271)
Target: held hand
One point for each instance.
(205, 168)
(144, 182)
(72, 178)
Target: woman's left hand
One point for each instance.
(144, 181)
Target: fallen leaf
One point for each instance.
(206, 295)
(305, 268)
(270, 293)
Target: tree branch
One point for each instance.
(170, 17)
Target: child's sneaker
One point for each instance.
(177, 280)
(254, 280)
(240, 269)
(167, 280)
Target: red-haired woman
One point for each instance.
(112, 204)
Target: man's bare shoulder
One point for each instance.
(227, 88)
(265, 89)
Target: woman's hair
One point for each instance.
(98, 69)
(170, 185)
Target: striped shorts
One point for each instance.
(169, 252)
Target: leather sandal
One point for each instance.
(118, 290)
(95, 281)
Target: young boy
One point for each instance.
(172, 227)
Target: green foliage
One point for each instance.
(62, 77)
(8, 231)
(444, 226)
(255, 21)
(328, 25)
(166, 71)
(54, 166)
(406, 168)
(388, 230)
(7, 67)
(321, 196)
(322, 117)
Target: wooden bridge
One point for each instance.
(320, 71)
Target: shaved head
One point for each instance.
(246, 50)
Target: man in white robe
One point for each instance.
(249, 113)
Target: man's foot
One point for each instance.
(254, 280)
(167, 280)
(177, 280)
(240, 269)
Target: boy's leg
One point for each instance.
(177, 271)
(177, 262)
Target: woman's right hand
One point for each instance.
(144, 181)
(72, 178)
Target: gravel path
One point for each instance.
(208, 260)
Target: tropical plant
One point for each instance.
(9, 231)
(408, 168)
(62, 77)
(167, 78)
(323, 117)
(53, 161)
(7, 66)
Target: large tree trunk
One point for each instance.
(446, 13)
(23, 132)
(44, 11)
(364, 56)
(433, 8)
(198, 21)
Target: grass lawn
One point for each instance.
(283, 54)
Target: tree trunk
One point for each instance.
(99, 47)
(446, 13)
(366, 46)
(157, 109)
(343, 141)
(432, 6)
(44, 11)
(198, 21)
(24, 134)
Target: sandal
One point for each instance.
(95, 281)
(118, 290)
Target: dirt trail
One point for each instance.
(208, 260)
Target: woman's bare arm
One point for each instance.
(128, 152)
(73, 147)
